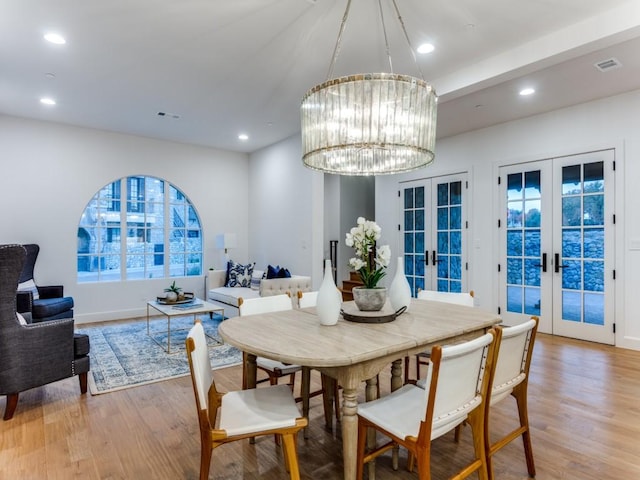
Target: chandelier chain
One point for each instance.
(406, 36)
(336, 49)
(384, 32)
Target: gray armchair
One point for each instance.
(50, 303)
(34, 354)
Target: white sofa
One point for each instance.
(229, 297)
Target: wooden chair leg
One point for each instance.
(12, 403)
(82, 378)
(305, 388)
(291, 457)
(205, 455)
(520, 395)
(407, 361)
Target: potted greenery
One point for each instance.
(173, 293)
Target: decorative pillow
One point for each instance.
(256, 278)
(272, 272)
(29, 286)
(239, 275)
(284, 273)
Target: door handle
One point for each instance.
(434, 259)
(556, 263)
(426, 257)
(544, 263)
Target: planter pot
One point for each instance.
(369, 299)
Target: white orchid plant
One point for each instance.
(362, 238)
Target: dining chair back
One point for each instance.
(242, 414)
(458, 298)
(511, 377)
(307, 299)
(273, 368)
(274, 303)
(457, 384)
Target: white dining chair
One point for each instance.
(511, 378)
(457, 384)
(307, 299)
(241, 414)
(274, 368)
(457, 298)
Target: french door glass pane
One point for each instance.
(414, 237)
(449, 236)
(523, 242)
(583, 243)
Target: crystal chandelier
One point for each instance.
(369, 124)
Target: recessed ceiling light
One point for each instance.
(527, 91)
(426, 48)
(47, 101)
(243, 137)
(55, 38)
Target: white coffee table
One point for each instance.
(194, 308)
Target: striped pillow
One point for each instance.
(29, 286)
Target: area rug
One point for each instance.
(124, 356)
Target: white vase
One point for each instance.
(329, 298)
(400, 291)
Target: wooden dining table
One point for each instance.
(352, 352)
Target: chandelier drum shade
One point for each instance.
(369, 123)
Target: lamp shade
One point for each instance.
(369, 124)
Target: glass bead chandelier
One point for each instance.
(369, 124)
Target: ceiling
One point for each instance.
(218, 68)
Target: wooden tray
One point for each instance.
(351, 313)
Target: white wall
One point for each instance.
(286, 211)
(607, 123)
(51, 171)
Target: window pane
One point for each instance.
(455, 267)
(594, 243)
(456, 193)
(571, 212)
(408, 220)
(514, 243)
(419, 218)
(593, 210)
(532, 213)
(102, 239)
(408, 198)
(532, 301)
(571, 180)
(571, 242)
(532, 184)
(514, 214)
(514, 186)
(594, 276)
(514, 271)
(594, 308)
(443, 266)
(443, 242)
(514, 299)
(594, 177)
(532, 272)
(571, 306)
(532, 243)
(443, 218)
(455, 243)
(443, 194)
(572, 274)
(419, 197)
(456, 218)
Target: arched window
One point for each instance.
(139, 227)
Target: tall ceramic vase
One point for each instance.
(329, 298)
(400, 291)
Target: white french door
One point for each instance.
(556, 245)
(433, 233)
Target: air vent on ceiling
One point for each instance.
(608, 64)
(169, 115)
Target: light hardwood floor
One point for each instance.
(584, 414)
